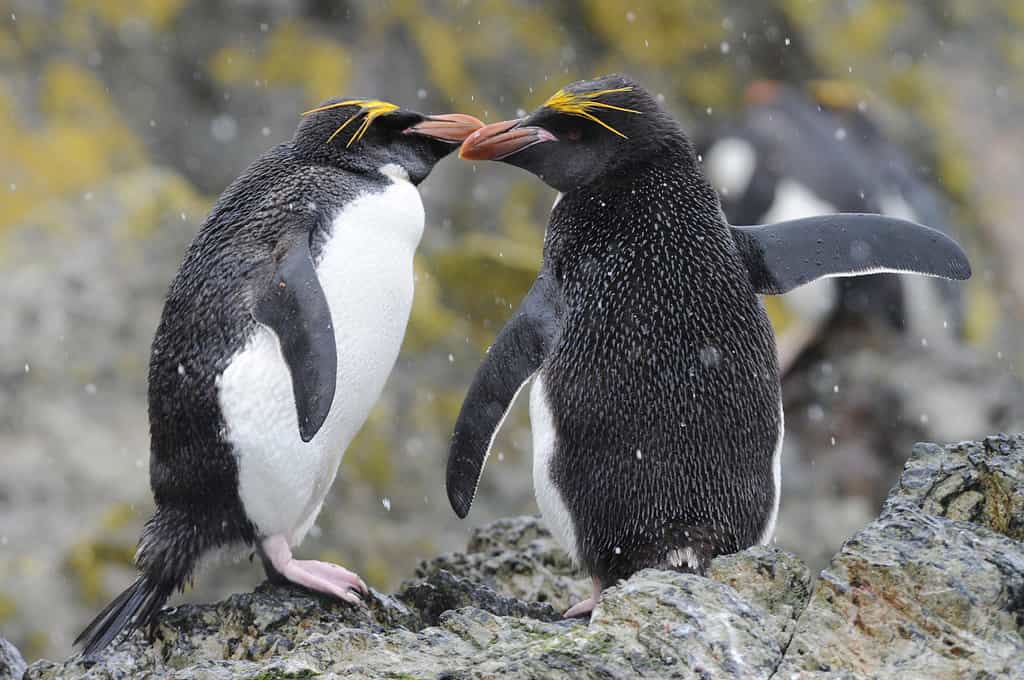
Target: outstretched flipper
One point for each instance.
(785, 255)
(293, 305)
(514, 357)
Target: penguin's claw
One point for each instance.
(323, 577)
(586, 607)
(336, 574)
(580, 609)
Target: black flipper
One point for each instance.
(514, 357)
(293, 305)
(788, 254)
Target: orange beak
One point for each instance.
(500, 140)
(448, 127)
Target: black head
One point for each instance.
(366, 135)
(589, 130)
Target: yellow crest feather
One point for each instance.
(373, 108)
(581, 103)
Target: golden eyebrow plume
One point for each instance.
(580, 104)
(373, 108)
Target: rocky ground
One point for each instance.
(120, 123)
(934, 587)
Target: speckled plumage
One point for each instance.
(251, 287)
(656, 404)
(663, 381)
(660, 375)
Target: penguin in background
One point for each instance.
(655, 405)
(277, 336)
(789, 155)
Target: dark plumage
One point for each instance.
(253, 265)
(656, 404)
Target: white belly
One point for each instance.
(366, 272)
(549, 498)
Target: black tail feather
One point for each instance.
(135, 608)
(172, 543)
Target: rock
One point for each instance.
(854, 413)
(12, 666)
(519, 558)
(935, 586)
(467, 615)
(932, 588)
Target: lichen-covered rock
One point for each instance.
(933, 588)
(12, 666)
(485, 613)
(519, 558)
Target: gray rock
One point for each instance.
(12, 666)
(932, 588)
(935, 586)
(467, 615)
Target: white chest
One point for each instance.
(365, 270)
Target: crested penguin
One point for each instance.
(790, 155)
(655, 405)
(277, 336)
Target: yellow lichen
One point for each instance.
(79, 140)
(983, 312)
(322, 71)
(656, 34)
(779, 313)
(430, 321)
(157, 13)
(7, 607)
(368, 457)
(376, 572)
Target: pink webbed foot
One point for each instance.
(586, 607)
(322, 577)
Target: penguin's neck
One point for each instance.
(667, 193)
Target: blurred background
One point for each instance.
(121, 121)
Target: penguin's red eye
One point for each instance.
(574, 134)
